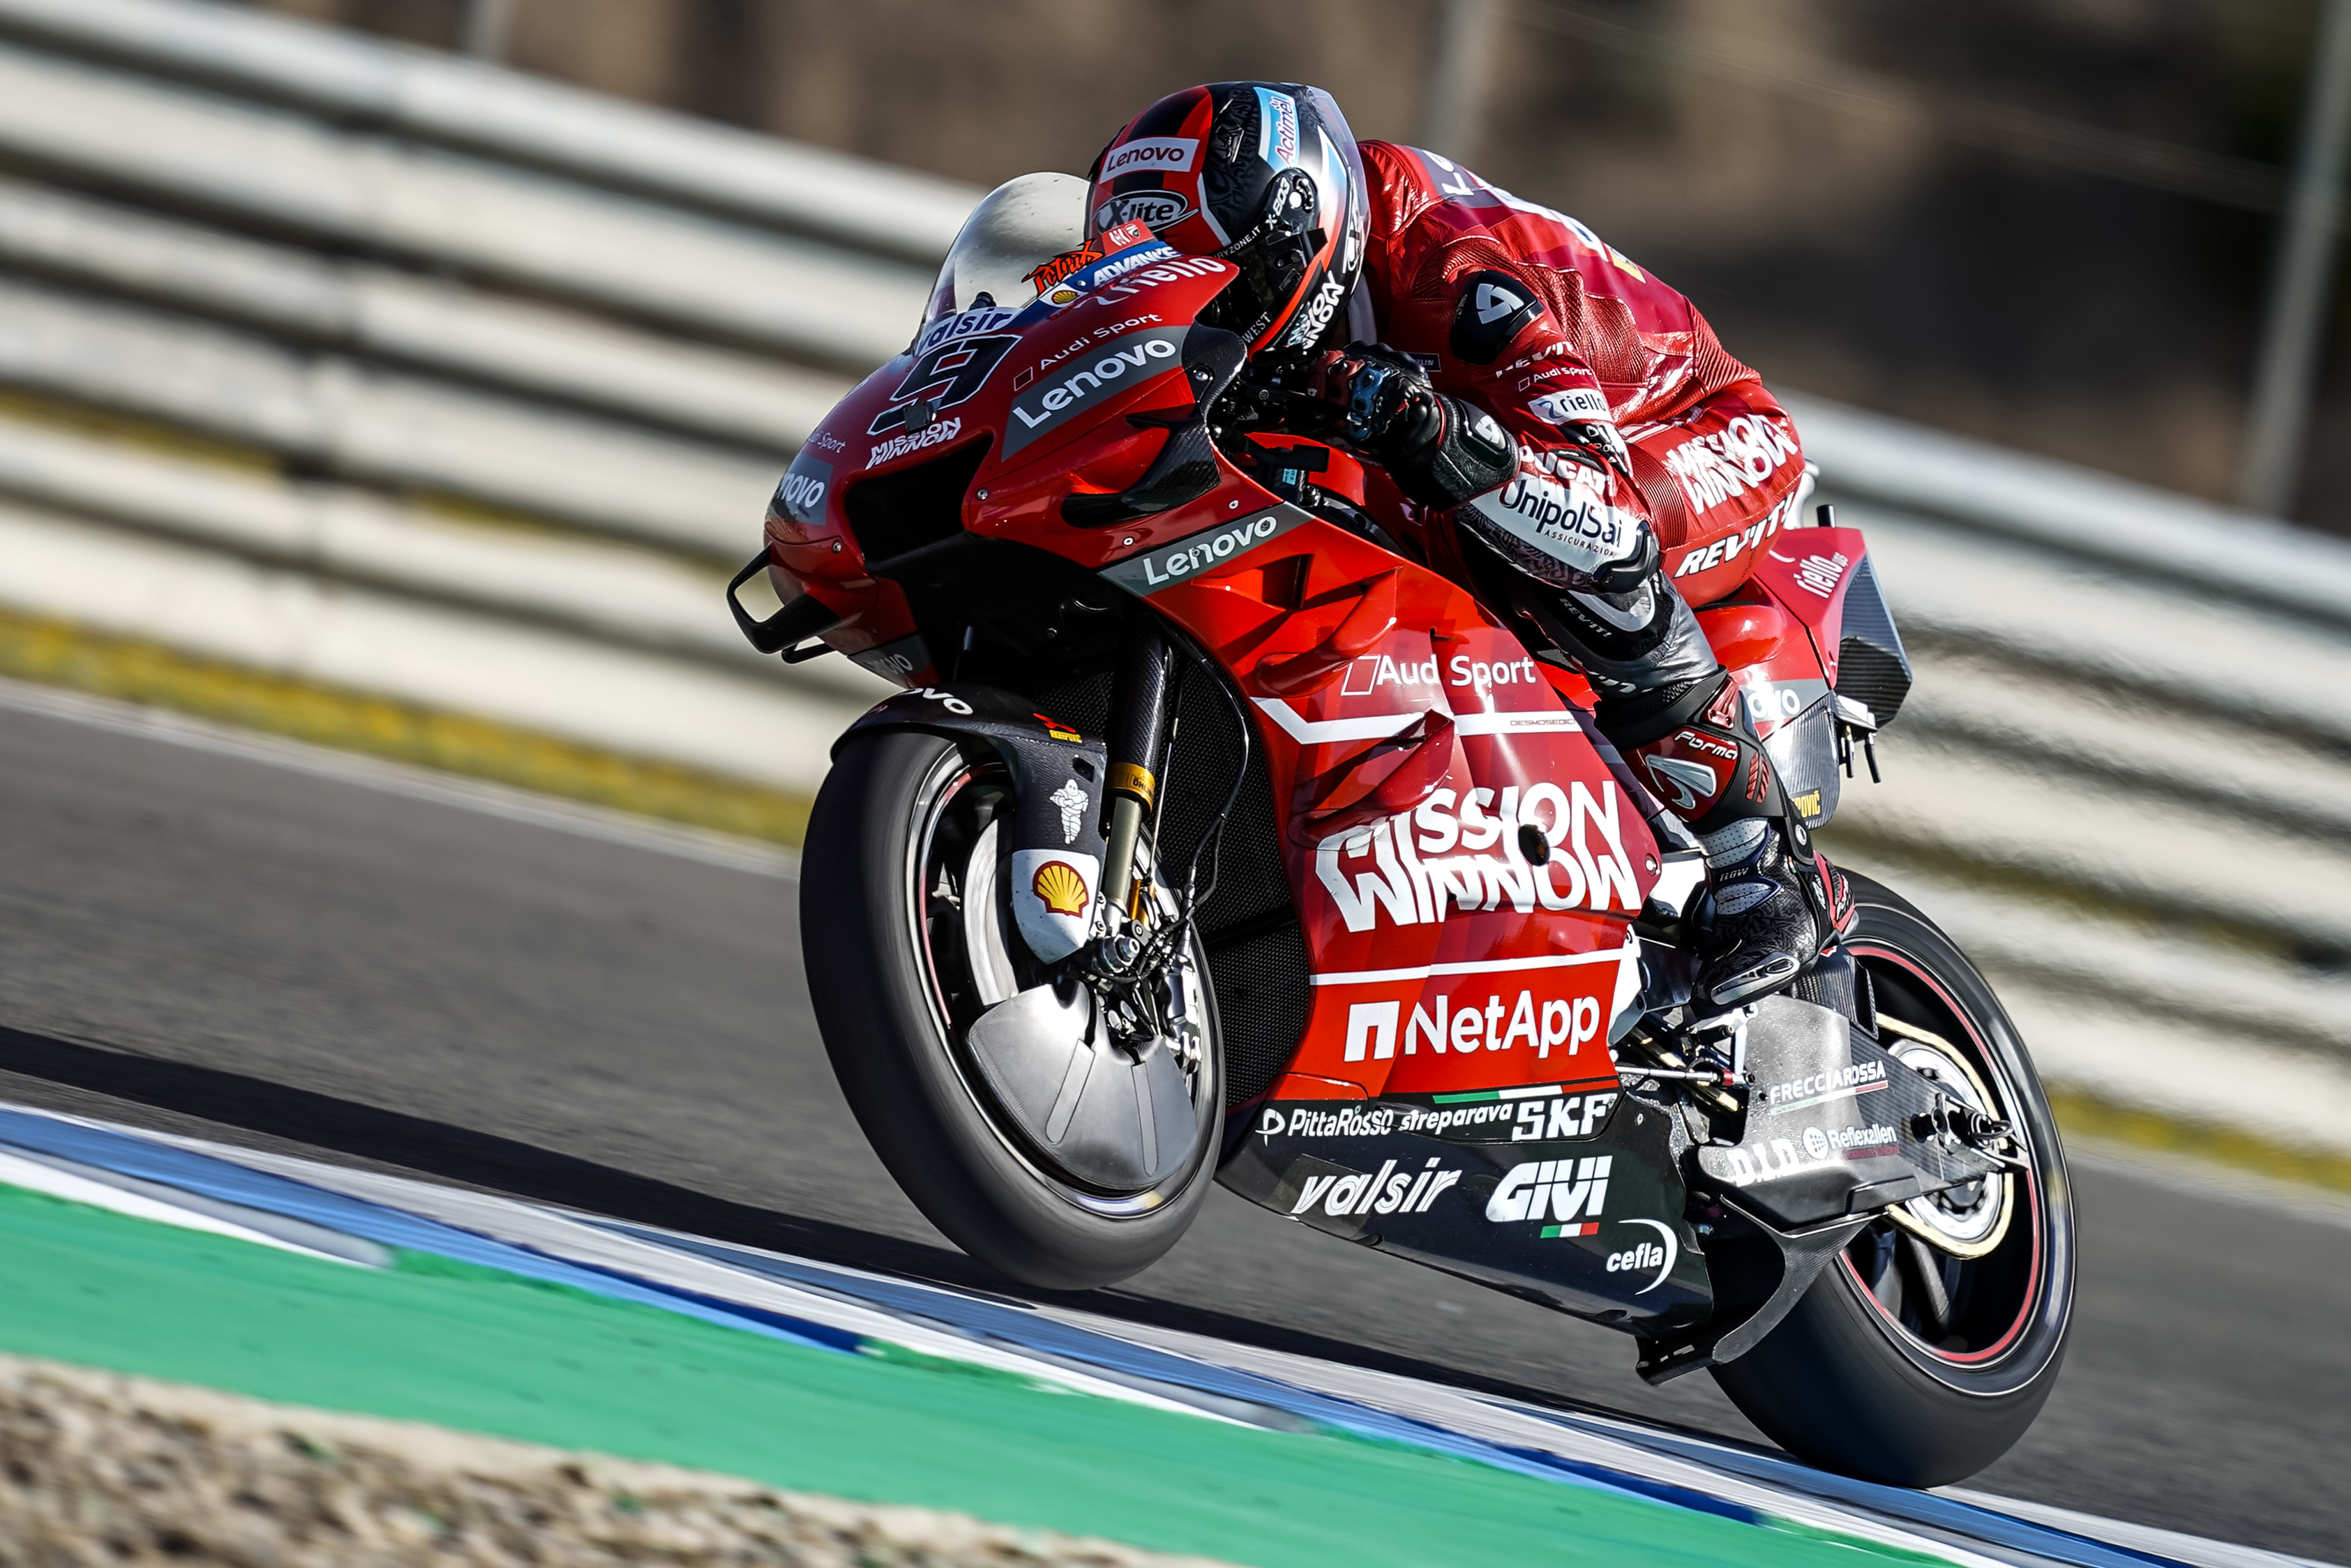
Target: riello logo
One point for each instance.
(1454, 853)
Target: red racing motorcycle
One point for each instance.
(1215, 835)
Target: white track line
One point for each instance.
(398, 779)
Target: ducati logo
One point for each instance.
(1492, 303)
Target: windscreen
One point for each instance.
(1020, 226)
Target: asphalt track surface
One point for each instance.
(206, 943)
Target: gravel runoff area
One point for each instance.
(97, 1469)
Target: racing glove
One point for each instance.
(1439, 450)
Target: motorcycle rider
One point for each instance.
(1565, 427)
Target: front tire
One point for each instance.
(894, 989)
(1927, 1347)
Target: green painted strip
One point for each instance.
(1479, 1097)
(475, 1349)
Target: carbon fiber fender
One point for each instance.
(1057, 781)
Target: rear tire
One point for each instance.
(890, 1027)
(1875, 1374)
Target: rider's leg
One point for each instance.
(1773, 901)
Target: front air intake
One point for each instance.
(893, 514)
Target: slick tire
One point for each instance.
(900, 1071)
(1841, 1382)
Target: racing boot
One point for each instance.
(1771, 905)
(1772, 902)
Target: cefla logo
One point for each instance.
(1570, 1193)
(1160, 154)
(1390, 1192)
(1440, 855)
(1647, 1255)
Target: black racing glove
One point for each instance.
(1439, 450)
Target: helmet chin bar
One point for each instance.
(1276, 258)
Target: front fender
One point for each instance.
(1057, 789)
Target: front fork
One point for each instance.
(1138, 720)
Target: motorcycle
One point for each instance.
(1216, 835)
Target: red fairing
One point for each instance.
(1405, 734)
(1558, 326)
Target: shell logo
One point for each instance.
(1062, 891)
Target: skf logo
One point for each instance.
(1560, 1190)
(1060, 888)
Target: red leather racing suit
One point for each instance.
(1528, 315)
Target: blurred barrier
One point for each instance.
(366, 365)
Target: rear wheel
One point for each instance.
(1923, 1353)
(906, 929)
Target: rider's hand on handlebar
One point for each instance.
(1374, 400)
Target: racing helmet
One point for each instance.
(1262, 174)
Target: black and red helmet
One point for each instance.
(1263, 175)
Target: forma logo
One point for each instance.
(1164, 154)
(1121, 363)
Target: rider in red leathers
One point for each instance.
(1577, 446)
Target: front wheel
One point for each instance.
(1926, 1349)
(907, 930)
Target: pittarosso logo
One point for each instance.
(1796, 1092)
(1073, 389)
(1347, 1122)
(1390, 1192)
(1166, 566)
(1169, 155)
(1559, 1190)
(897, 447)
(1415, 876)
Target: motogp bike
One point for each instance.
(1215, 836)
